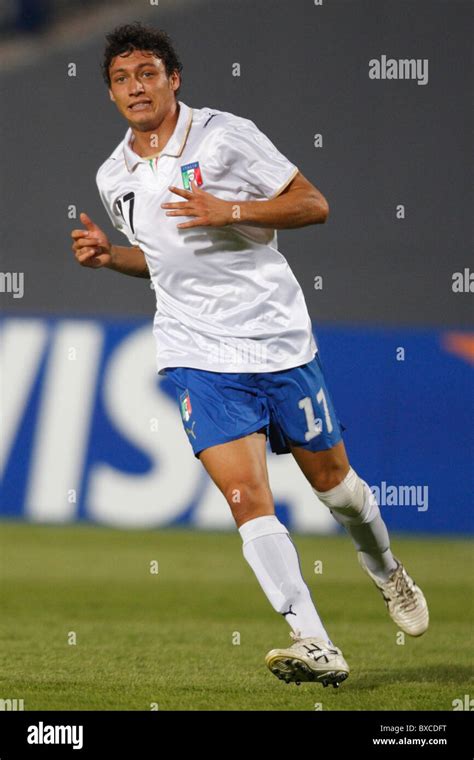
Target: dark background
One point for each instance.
(304, 70)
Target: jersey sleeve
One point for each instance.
(117, 221)
(253, 158)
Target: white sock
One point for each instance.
(354, 506)
(372, 539)
(272, 555)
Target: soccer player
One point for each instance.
(200, 193)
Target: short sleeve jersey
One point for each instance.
(226, 298)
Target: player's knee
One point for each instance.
(247, 497)
(330, 477)
(350, 499)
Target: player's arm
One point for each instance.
(92, 248)
(300, 203)
(129, 260)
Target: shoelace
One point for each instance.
(403, 588)
(295, 636)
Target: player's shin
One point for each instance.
(354, 506)
(271, 554)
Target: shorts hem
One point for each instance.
(308, 447)
(254, 429)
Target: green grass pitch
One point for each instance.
(167, 640)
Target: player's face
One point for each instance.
(141, 89)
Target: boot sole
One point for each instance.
(294, 670)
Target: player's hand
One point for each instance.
(91, 246)
(208, 210)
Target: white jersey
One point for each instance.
(226, 298)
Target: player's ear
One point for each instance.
(175, 80)
(111, 95)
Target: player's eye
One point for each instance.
(119, 79)
(148, 73)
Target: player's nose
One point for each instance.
(137, 88)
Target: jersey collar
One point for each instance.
(174, 146)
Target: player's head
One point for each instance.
(143, 74)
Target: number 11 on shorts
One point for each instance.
(315, 426)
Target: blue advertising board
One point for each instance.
(91, 432)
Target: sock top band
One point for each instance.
(261, 526)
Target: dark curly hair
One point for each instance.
(135, 36)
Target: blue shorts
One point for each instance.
(290, 406)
